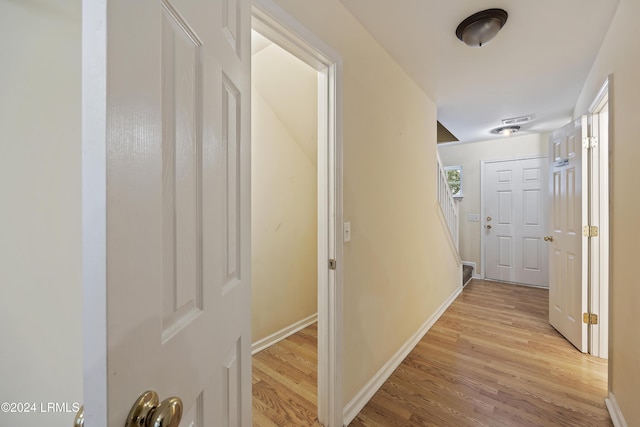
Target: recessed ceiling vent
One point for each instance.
(517, 120)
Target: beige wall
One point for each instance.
(396, 272)
(470, 156)
(40, 299)
(620, 56)
(284, 191)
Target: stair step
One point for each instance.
(467, 273)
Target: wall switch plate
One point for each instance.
(473, 217)
(347, 231)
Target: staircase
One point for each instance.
(448, 204)
(449, 208)
(467, 274)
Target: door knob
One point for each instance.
(489, 218)
(548, 238)
(79, 420)
(488, 226)
(148, 411)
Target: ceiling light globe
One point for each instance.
(478, 29)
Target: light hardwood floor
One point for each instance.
(491, 360)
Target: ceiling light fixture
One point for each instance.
(506, 130)
(478, 29)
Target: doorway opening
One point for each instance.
(284, 229)
(279, 34)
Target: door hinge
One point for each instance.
(590, 142)
(590, 231)
(332, 264)
(590, 319)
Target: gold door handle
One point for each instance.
(548, 238)
(148, 411)
(79, 420)
(488, 226)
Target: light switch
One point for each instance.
(473, 217)
(347, 231)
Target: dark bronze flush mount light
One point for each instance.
(478, 29)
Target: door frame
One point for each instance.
(483, 164)
(272, 21)
(598, 207)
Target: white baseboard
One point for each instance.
(282, 334)
(614, 411)
(361, 398)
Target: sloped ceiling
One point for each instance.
(290, 87)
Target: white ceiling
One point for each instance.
(536, 65)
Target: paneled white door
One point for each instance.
(166, 199)
(567, 280)
(515, 221)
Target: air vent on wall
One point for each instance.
(517, 120)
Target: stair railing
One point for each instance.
(448, 204)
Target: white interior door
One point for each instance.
(515, 221)
(166, 268)
(567, 281)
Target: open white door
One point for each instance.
(567, 281)
(166, 270)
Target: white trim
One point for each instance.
(365, 394)
(275, 23)
(599, 215)
(283, 333)
(614, 411)
(483, 274)
(94, 210)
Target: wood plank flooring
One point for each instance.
(491, 360)
(285, 381)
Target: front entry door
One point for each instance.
(515, 221)
(567, 281)
(166, 220)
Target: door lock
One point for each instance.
(548, 238)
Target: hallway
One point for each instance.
(491, 360)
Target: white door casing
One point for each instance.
(166, 208)
(599, 216)
(514, 210)
(277, 25)
(567, 278)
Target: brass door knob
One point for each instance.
(548, 238)
(79, 420)
(488, 226)
(148, 411)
